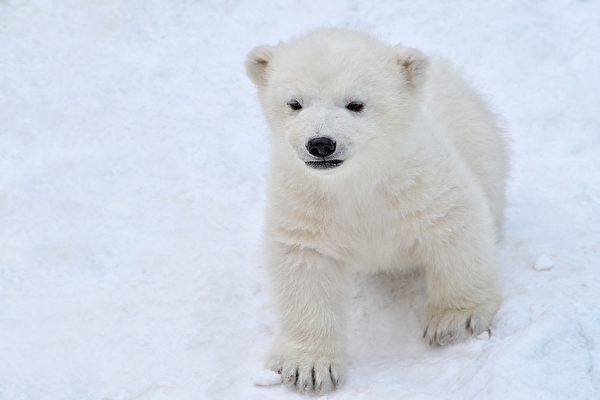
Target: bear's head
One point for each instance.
(336, 95)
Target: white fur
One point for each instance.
(422, 185)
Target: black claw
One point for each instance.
(335, 381)
(468, 324)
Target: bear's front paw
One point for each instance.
(306, 372)
(446, 326)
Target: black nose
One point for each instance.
(321, 147)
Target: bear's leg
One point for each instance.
(309, 290)
(462, 290)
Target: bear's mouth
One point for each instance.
(324, 164)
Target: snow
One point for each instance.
(543, 263)
(133, 157)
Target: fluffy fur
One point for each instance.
(421, 185)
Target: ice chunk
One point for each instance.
(543, 263)
(266, 377)
(484, 335)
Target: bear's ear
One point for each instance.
(413, 63)
(256, 64)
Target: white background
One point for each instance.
(133, 161)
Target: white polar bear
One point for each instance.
(382, 160)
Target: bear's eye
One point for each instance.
(355, 106)
(294, 105)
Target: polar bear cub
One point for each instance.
(382, 160)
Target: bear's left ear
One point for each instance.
(257, 62)
(413, 63)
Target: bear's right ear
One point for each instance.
(257, 62)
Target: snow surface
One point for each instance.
(133, 156)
